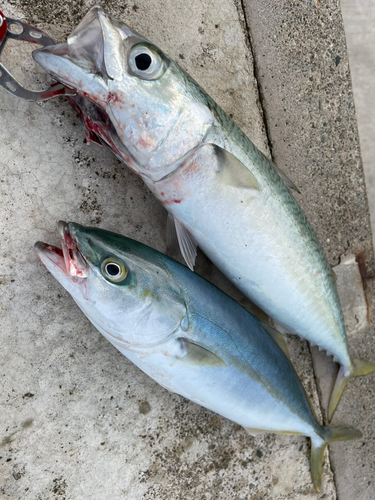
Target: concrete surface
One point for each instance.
(352, 295)
(359, 22)
(304, 80)
(77, 420)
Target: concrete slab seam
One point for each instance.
(241, 10)
(324, 417)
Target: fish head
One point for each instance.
(156, 111)
(122, 286)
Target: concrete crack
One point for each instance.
(241, 10)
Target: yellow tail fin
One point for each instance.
(318, 447)
(359, 368)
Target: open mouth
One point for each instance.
(83, 55)
(68, 259)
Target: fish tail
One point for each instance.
(342, 379)
(359, 368)
(318, 446)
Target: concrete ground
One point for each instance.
(359, 22)
(77, 420)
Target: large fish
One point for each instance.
(186, 334)
(220, 191)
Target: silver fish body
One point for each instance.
(186, 334)
(221, 192)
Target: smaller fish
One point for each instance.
(187, 335)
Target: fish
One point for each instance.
(221, 192)
(186, 334)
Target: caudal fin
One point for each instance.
(318, 447)
(359, 368)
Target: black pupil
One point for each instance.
(113, 269)
(143, 61)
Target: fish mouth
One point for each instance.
(78, 63)
(92, 55)
(66, 260)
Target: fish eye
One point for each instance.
(147, 62)
(143, 61)
(113, 270)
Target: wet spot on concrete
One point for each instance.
(184, 445)
(223, 461)
(27, 423)
(144, 408)
(6, 440)
(215, 422)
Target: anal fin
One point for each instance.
(166, 388)
(278, 338)
(253, 431)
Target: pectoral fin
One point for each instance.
(232, 171)
(198, 355)
(180, 241)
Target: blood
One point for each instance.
(113, 98)
(169, 202)
(96, 121)
(55, 250)
(54, 90)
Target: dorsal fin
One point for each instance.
(289, 183)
